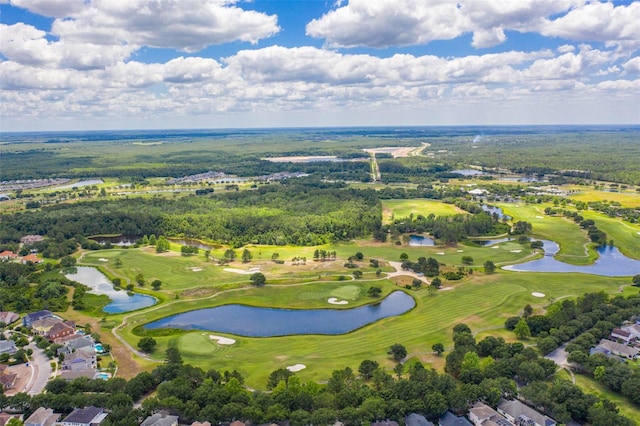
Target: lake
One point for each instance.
(468, 172)
(486, 243)
(253, 321)
(118, 240)
(80, 184)
(420, 241)
(610, 263)
(494, 210)
(100, 284)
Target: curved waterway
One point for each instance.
(610, 263)
(100, 284)
(253, 321)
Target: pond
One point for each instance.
(495, 210)
(194, 243)
(117, 240)
(486, 243)
(80, 184)
(253, 321)
(121, 301)
(610, 263)
(420, 241)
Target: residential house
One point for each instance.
(73, 343)
(7, 379)
(483, 415)
(415, 419)
(30, 258)
(620, 334)
(42, 417)
(385, 423)
(81, 360)
(44, 325)
(31, 239)
(29, 319)
(160, 419)
(88, 416)
(8, 347)
(523, 415)
(61, 330)
(5, 417)
(7, 255)
(450, 419)
(200, 424)
(633, 329)
(618, 349)
(8, 317)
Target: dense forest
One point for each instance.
(272, 214)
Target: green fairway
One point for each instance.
(626, 236)
(587, 194)
(483, 302)
(574, 242)
(422, 206)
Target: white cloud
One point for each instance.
(51, 8)
(384, 23)
(632, 66)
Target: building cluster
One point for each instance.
(281, 176)
(623, 342)
(14, 185)
(200, 177)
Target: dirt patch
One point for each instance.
(281, 357)
(198, 292)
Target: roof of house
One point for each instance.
(482, 411)
(515, 409)
(385, 423)
(632, 328)
(60, 327)
(8, 253)
(8, 379)
(45, 323)
(450, 419)
(83, 415)
(34, 316)
(8, 317)
(7, 346)
(620, 332)
(42, 416)
(200, 424)
(31, 258)
(160, 419)
(415, 419)
(619, 348)
(5, 417)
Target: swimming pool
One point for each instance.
(103, 376)
(99, 348)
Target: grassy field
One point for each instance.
(628, 198)
(484, 302)
(425, 207)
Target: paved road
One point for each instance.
(559, 356)
(40, 371)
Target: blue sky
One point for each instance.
(109, 64)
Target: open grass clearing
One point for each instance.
(422, 206)
(484, 302)
(627, 198)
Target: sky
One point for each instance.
(154, 64)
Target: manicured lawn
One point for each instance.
(483, 302)
(403, 208)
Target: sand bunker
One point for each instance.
(335, 301)
(296, 367)
(102, 259)
(446, 288)
(239, 271)
(196, 269)
(441, 253)
(495, 247)
(460, 251)
(536, 294)
(515, 251)
(222, 340)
